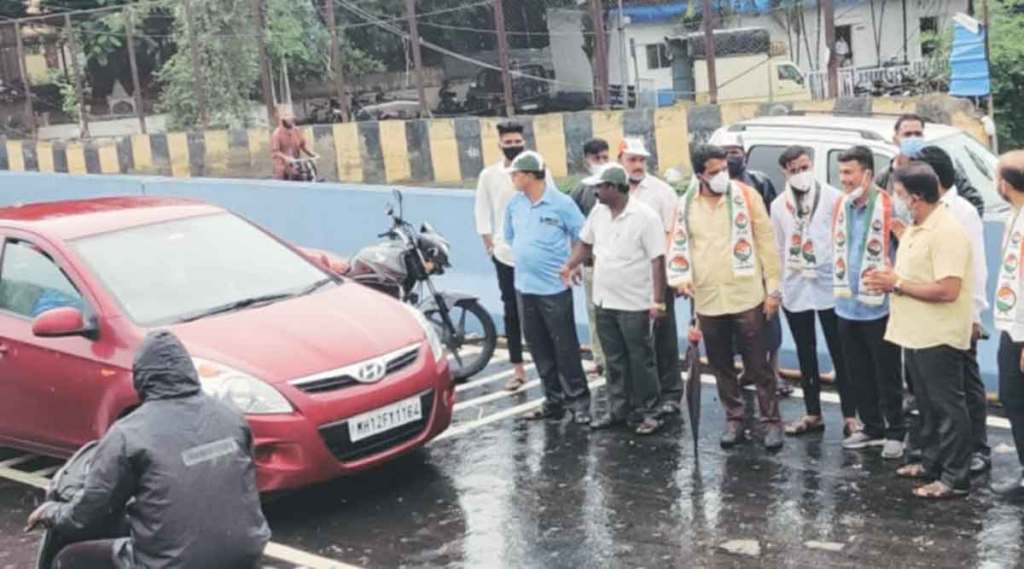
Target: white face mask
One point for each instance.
(801, 182)
(719, 183)
(901, 210)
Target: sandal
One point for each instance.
(805, 425)
(938, 491)
(915, 471)
(649, 426)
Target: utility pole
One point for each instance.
(30, 114)
(506, 79)
(906, 53)
(829, 14)
(265, 82)
(709, 52)
(83, 120)
(197, 79)
(417, 56)
(601, 98)
(336, 64)
(623, 64)
(136, 86)
(986, 17)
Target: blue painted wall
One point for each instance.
(343, 218)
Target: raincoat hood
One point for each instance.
(163, 369)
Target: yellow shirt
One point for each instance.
(929, 252)
(717, 291)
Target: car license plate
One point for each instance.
(384, 419)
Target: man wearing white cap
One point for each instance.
(660, 197)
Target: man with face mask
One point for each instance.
(931, 320)
(286, 145)
(595, 156)
(494, 190)
(862, 240)
(802, 218)
(760, 181)
(908, 136)
(660, 197)
(1008, 315)
(723, 256)
(738, 171)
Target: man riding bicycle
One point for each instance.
(287, 145)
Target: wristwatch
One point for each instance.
(897, 288)
(660, 306)
(777, 294)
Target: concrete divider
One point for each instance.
(448, 151)
(344, 218)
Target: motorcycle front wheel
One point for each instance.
(471, 340)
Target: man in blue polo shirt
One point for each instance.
(541, 225)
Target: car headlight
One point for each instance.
(436, 346)
(250, 395)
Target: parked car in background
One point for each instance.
(829, 135)
(391, 110)
(486, 95)
(333, 377)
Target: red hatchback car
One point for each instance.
(333, 377)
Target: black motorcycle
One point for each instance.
(402, 266)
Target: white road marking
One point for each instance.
(495, 396)
(22, 458)
(489, 378)
(24, 478)
(501, 415)
(49, 470)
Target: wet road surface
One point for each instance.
(510, 494)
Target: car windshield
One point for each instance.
(978, 163)
(178, 270)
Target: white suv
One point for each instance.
(828, 136)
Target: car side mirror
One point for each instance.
(61, 323)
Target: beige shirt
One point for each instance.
(929, 252)
(624, 247)
(717, 291)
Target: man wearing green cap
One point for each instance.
(541, 223)
(627, 240)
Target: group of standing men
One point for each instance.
(892, 265)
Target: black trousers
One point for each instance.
(513, 329)
(745, 331)
(1011, 389)
(550, 326)
(801, 325)
(666, 350)
(939, 385)
(977, 401)
(873, 366)
(629, 356)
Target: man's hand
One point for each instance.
(975, 332)
(38, 518)
(881, 280)
(488, 244)
(658, 312)
(571, 276)
(771, 306)
(1022, 360)
(898, 227)
(685, 289)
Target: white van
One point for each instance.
(828, 136)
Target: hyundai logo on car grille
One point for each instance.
(372, 372)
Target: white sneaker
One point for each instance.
(892, 450)
(861, 440)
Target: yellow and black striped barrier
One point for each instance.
(448, 151)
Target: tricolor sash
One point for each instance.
(800, 254)
(874, 247)
(1008, 291)
(743, 258)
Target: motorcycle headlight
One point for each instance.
(250, 395)
(436, 346)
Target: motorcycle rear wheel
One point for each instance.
(474, 339)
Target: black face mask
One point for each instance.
(512, 151)
(737, 165)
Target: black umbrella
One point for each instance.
(693, 379)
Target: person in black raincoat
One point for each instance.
(179, 468)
